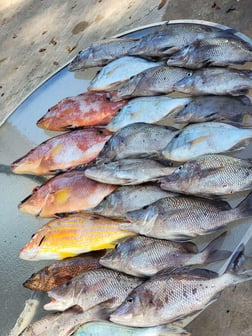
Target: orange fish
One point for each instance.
(62, 152)
(86, 109)
(68, 192)
(72, 235)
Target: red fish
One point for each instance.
(64, 193)
(86, 109)
(62, 152)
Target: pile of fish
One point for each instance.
(135, 177)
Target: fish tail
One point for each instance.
(211, 252)
(236, 266)
(172, 329)
(245, 207)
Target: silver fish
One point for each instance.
(112, 329)
(129, 198)
(211, 174)
(119, 71)
(169, 38)
(237, 110)
(158, 80)
(128, 171)
(169, 297)
(184, 217)
(203, 138)
(220, 51)
(136, 141)
(146, 109)
(92, 288)
(216, 81)
(65, 323)
(143, 256)
(102, 52)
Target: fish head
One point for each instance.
(62, 297)
(33, 249)
(27, 164)
(142, 220)
(131, 311)
(186, 84)
(182, 177)
(34, 281)
(186, 114)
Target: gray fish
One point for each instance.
(102, 52)
(146, 109)
(170, 38)
(112, 329)
(128, 171)
(203, 138)
(211, 174)
(119, 71)
(166, 297)
(92, 288)
(143, 256)
(129, 198)
(237, 110)
(155, 81)
(220, 51)
(183, 217)
(136, 141)
(216, 81)
(65, 323)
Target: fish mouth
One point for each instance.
(56, 304)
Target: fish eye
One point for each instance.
(32, 235)
(145, 207)
(189, 74)
(130, 300)
(68, 283)
(117, 245)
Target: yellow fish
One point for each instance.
(72, 235)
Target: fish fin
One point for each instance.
(237, 260)
(245, 207)
(190, 247)
(62, 195)
(198, 140)
(173, 328)
(239, 90)
(211, 252)
(197, 273)
(244, 99)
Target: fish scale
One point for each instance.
(210, 174)
(92, 288)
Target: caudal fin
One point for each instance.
(211, 252)
(245, 207)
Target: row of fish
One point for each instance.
(135, 141)
(144, 282)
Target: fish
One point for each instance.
(107, 328)
(144, 256)
(72, 235)
(86, 109)
(234, 110)
(128, 171)
(146, 109)
(137, 140)
(219, 51)
(60, 272)
(64, 323)
(98, 287)
(151, 82)
(182, 218)
(67, 192)
(215, 81)
(169, 297)
(203, 138)
(211, 174)
(102, 52)
(119, 71)
(171, 37)
(63, 152)
(129, 198)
